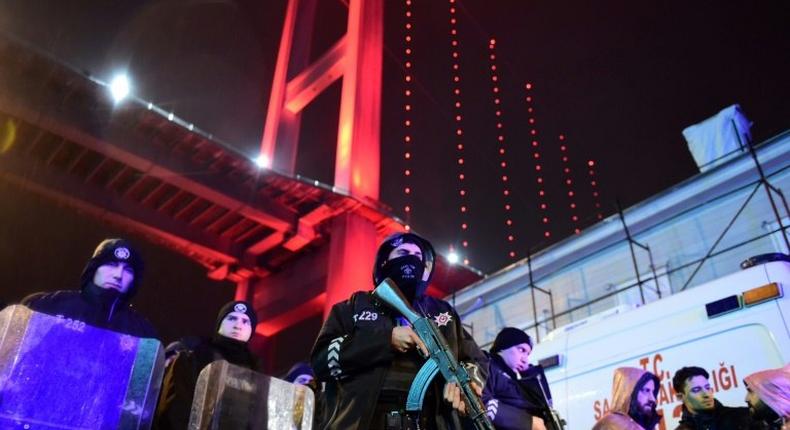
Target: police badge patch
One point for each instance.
(122, 253)
(442, 319)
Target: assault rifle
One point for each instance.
(439, 359)
(536, 390)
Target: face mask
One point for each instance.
(407, 272)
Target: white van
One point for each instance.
(714, 326)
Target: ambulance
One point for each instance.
(732, 326)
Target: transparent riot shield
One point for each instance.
(232, 397)
(57, 373)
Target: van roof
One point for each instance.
(735, 283)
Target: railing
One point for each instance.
(683, 269)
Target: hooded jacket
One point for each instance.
(624, 386)
(773, 388)
(352, 356)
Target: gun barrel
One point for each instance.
(387, 291)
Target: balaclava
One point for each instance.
(406, 271)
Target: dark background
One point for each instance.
(620, 79)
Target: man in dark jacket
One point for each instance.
(109, 281)
(366, 354)
(700, 410)
(232, 332)
(506, 402)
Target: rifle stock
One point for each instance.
(440, 358)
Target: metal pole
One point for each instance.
(721, 236)
(631, 248)
(532, 290)
(653, 269)
(535, 315)
(764, 182)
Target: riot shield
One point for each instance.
(57, 373)
(231, 397)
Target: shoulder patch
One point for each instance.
(442, 319)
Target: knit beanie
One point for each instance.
(509, 337)
(300, 368)
(118, 251)
(236, 306)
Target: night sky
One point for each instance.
(619, 79)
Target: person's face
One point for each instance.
(697, 394)
(303, 379)
(236, 325)
(752, 401)
(517, 357)
(646, 399)
(410, 249)
(114, 275)
(757, 408)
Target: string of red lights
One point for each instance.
(407, 113)
(502, 152)
(543, 206)
(568, 181)
(459, 132)
(594, 185)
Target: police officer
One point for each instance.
(367, 356)
(232, 332)
(108, 283)
(507, 405)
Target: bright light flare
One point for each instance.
(452, 257)
(120, 87)
(263, 161)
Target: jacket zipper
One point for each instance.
(112, 309)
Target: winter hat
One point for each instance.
(300, 368)
(509, 337)
(114, 250)
(396, 240)
(237, 306)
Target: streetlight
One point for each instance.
(262, 161)
(119, 87)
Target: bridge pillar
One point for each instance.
(357, 57)
(352, 250)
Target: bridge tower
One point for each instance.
(356, 58)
